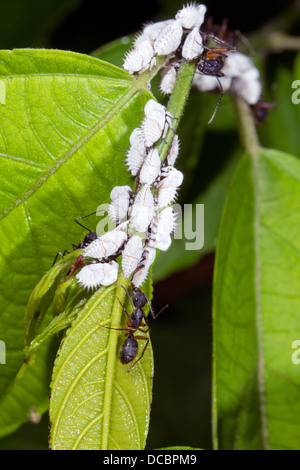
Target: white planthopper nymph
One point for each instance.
(210, 83)
(192, 47)
(143, 209)
(168, 80)
(167, 188)
(132, 255)
(248, 86)
(154, 110)
(142, 271)
(169, 38)
(191, 15)
(161, 228)
(151, 167)
(108, 244)
(155, 123)
(140, 58)
(173, 151)
(118, 208)
(137, 151)
(245, 76)
(236, 64)
(151, 32)
(97, 274)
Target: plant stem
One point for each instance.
(246, 127)
(177, 103)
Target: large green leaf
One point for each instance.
(257, 307)
(65, 125)
(96, 402)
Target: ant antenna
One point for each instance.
(84, 216)
(218, 103)
(133, 307)
(245, 41)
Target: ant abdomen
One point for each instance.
(129, 351)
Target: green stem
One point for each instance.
(247, 128)
(278, 42)
(177, 103)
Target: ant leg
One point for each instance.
(143, 352)
(245, 40)
(133, 195)
(111, 328)
(61, 254)
(219, 41)
(143, 330)
(155, 315)
(218, 103)
(129, 317)
(223, 29)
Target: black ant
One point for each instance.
(136, 322)
(89, 238)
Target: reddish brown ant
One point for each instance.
(136, 322)
(212, 61)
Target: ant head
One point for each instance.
(139, 298)
(89, 238)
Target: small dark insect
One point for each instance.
(260, 110)
(89, 238)
(136, 322)
(212, 61)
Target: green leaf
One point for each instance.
(256, 307)
(29, 390)
(43, 295)
(95, 403)
(179, 448)
(65, 126)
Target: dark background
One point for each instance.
(181, 337)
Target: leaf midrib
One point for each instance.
(137, 86)
(255, 156)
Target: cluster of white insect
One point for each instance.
(182, 39)
(144, 218)
(164, 38)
